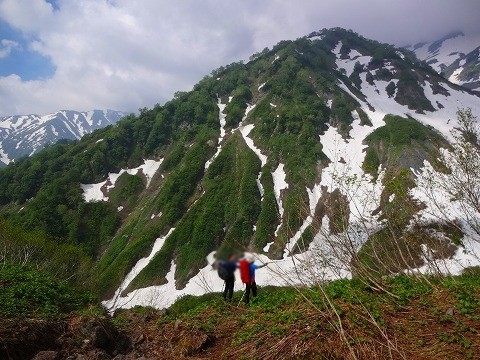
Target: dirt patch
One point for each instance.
(95, 337)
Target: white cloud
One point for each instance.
(27, 15)
(125, 54)
(118, 55)
(6, 47)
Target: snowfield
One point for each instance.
(348, 64)
(448, 51)
(457, 51)
(277, 272)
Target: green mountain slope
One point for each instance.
(294, 93)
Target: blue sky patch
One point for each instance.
(54, 4)
(28, 64)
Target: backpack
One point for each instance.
(245, 271)
(222, 270)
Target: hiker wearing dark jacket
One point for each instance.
(247, 274)
(230, 266)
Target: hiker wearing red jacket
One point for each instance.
(247, 275)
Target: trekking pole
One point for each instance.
(242, 297)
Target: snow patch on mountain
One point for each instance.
(206, 280)
(139, 266)
(221, 118)
(266, 248)
(245, 130)
(290, 245)
(431, 191)
(454, 77)
(348, 63)
(466, 256)
(279, 184)
(260, 185)
(443, 118)
(96, 192)
(93, 192)
(316, 37)
(350, 172)
(149, 168)
(3, 156)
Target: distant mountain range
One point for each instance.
(455, 56)
(24, 135)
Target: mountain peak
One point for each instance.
(24, 135)
(436, 45)
(455, 56)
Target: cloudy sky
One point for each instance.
(127, 54)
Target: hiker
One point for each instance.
(226, 272)
(247, 274)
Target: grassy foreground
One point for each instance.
(397, 318)
(417, 319)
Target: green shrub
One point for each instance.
(268, 219)
(127, 190)
(36, 249)
(28, 292)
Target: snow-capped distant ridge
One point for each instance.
(24, 135)
(456, 56)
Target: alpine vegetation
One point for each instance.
(343, 171)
